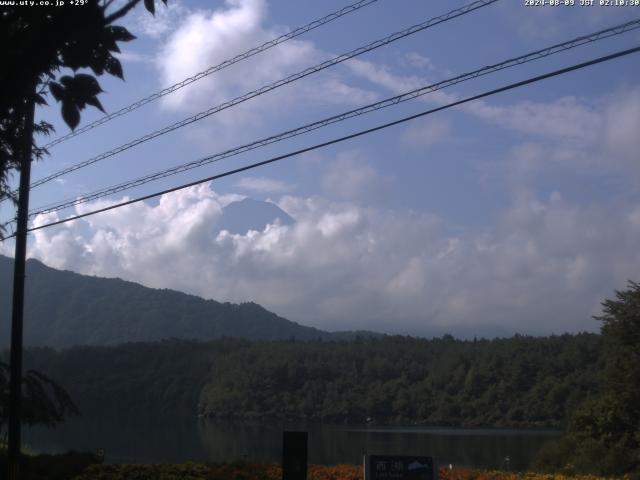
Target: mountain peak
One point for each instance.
(250, 214)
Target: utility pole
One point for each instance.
(17, 313)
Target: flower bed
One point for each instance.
(248, 471)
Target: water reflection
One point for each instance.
(175, 440)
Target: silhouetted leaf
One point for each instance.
(150, 5)
(114, 67)
(56, 90)
(39, 99)
(85, 86)
(120, 34)
(67, 82)
(70, 114)
(44, 128)
(96, 103)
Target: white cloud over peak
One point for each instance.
(544, 267)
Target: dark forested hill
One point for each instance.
(65, 308)
(515, 382)
(520, 381)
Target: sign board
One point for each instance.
(294, 455)
(399, 467)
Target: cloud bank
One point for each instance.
(543, 268)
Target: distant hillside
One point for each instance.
(65, 308)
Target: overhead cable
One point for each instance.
(538, 54)
(216, 68)
(347, 137)
(267, 88)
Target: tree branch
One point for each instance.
(122, 12)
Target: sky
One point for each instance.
(517, 213)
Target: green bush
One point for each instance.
(52, 467)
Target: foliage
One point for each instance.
(44, 402)
(522, 381)
(160, 379)
(52, 467)
(603, 435)
(43, 44)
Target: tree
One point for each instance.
(44, 44)
(39, 41)
(44, 401)
(603, 436)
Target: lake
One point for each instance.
(174, 441)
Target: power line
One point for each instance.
(593, 37)
(348, 137)
(267, 88)
(216, 68)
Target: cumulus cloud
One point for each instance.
(350, 176)
(544, 267)
(208, 37)
(164, 20)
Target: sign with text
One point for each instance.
(399, 467)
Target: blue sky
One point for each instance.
(517, 213)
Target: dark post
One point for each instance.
(15, 384)
(294, 456)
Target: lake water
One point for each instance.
(172, 441)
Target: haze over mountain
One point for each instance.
(64, 308)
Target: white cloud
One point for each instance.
(426, 133)
(163, 21)
(621, 121)
(565, 119)
(595, 136)
(382, 76)
(544, 267)
(350, 176)
(208, 37)
(134, 57)
(417, 60)
(263, 185)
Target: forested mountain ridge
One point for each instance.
(520, 381)
(64, 308)
(515, 382)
